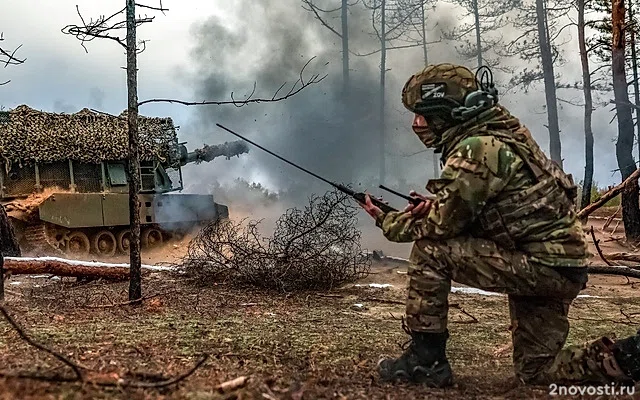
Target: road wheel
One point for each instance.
(151, 238)
(124, 239)
(77, 244)
(105, 244)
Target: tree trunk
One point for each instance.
(383, 72)
(8, 245)
(423, 27)
(634, 67)
(1, 277)
(63, 267)
(425, 54)
(133, 175)
(588, 109)
(624, 145)
(476, 18)
(345, 49)
(549, 82)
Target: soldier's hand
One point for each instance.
(422, 209)
(371, 208)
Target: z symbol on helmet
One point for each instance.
(436, 91)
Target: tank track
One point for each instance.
(39, 238)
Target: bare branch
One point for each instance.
(23, 336)
(393, 48)
(296, 88)
(596, 242)
(313, 8)
(105, 27)
(79, 376)
(625, 103)
(8, 57)
(153, 8)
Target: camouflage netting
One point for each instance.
(28, 135)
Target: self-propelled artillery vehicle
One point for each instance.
(64, 186)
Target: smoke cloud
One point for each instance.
(317, 128)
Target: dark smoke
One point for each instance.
(317, 128)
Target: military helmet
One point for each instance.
(449, 92)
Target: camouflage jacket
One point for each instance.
(497, 184)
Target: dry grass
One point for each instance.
(290, 345)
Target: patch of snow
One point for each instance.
(16, 283)
(87, 263)
(468, 290)
(358, 305)
(376, 285)
(395, 258)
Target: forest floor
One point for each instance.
(290, 346)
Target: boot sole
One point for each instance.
(437, 377)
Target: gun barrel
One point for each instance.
(414, 200)
(209, 152)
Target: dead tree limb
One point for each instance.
(8, 57)
(154, 385)
(79, 376)
(59, 268)
(622, 256)
(231, 385)
(610, 194)
(596, 242)
(611, 217)
(296, 88)
(310, 249)
(615, 270)
(23, 336)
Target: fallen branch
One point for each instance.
(154, 385)
(610, 194)
(62, 267)
(596, 243)
(79, 376)
(387, 301)
(23, 336)
(623, 256)
(474, 320)
(34, 267)
(233, 384)
(611, 217)
(615, 270)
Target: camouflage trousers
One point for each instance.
(539, 300)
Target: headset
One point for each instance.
(479, 100)
(485, 97)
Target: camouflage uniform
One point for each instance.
(503, 220)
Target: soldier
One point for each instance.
(503, 220)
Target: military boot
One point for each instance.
(627, 354)
(423, 361)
